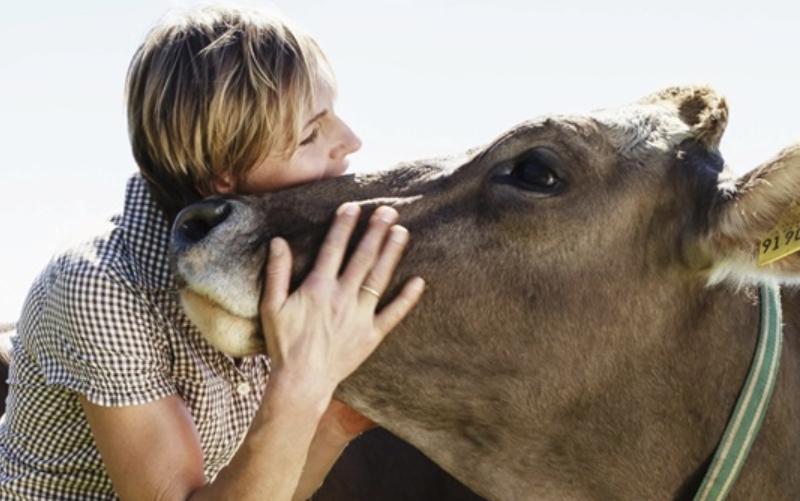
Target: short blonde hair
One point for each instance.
(212, 92)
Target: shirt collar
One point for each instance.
(146, 233)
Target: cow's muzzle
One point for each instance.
(195, 222)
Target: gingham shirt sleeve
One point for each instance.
(106, 341)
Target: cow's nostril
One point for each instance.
(196, 221)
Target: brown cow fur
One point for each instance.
(592, 306)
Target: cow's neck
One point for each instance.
(645, 427)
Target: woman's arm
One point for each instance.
(328, 346)
(152, 451)
(316, 337)
(338, 427)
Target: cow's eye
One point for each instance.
(535, 171)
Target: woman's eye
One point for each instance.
(534, 173)
(311, 137)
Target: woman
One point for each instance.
(114, 394)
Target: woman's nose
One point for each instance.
(348, 143)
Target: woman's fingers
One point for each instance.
(329, 326)
(370, 268)
(394, 312)
(381, 274)
(368, 249)
(277, 275)
(331, 254)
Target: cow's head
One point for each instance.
(561, 258)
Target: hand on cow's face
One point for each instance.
(320, 334)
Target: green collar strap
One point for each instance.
(752, 405)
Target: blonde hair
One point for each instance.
(212, 92)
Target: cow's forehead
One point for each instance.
(640, 130)
(661, 121)
(635, 131)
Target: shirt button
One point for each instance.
(244, 389)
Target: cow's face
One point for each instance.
(557, 257)
(554, 204)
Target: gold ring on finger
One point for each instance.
(370, 290)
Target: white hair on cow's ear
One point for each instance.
(682, 113)
(748, 213)
(701, 108)
(636, 131)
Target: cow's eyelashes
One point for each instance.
(536, 171)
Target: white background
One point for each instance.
(417, 78)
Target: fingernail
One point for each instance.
(418, 284)
(276, 247)
(387, 214)
(399, 234)
(348, 209)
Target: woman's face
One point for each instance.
(325, 143)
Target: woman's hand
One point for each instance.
(321, 333)
(316, 337)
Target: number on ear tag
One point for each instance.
(783, 240)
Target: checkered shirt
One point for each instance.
(103, 320)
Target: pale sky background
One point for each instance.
(417, 78)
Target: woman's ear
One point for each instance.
(221, 184)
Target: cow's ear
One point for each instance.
(757, 221)
(701, 108)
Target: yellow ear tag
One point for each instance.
(783, 240)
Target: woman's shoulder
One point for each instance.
(93, 250)
(130, 247)
(115, 273)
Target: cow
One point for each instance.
(593, 303)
